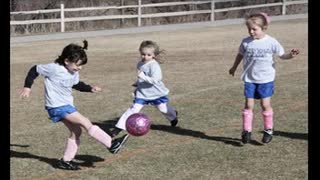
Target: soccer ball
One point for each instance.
(138, 124)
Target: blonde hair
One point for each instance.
(260, 19)
(155, 46)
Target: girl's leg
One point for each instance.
(267, 113)
(93, 130)
(135, 108)
(167, 111)
(73, 141)
(247, 115)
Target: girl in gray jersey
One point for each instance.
(149, 87)
(258, 74)
(60, 78)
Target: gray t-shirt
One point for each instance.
(258, 63)
(149, 83)
(58, 82)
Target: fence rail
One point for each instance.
(62, 20)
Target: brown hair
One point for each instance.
(155, 46)
(259, 19)
(73, 53)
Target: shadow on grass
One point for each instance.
(198, 134)
(107, 125)
(18, 145)
(81, 160)
(292, 135)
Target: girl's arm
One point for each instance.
(135, 84)
(155, 77)
(31, 76)
(235, 64)
(290, 55)
(83, 87)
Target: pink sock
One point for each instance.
(70, 149)
(100, 135)
(267, 119)
(247, 117)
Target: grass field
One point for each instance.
(205, 145)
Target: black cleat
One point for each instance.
(267, 135)
(118, 143)
(175, 121)
(67, 165)
(246, 137)
(115, 132)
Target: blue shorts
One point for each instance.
(58, 113)
(258, 91)
(158, 101)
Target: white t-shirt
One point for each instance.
(58, 84)
(150, 85)
(258, 63)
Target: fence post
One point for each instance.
(122, 12)
(283, 7)
(62, 17)
(212, 10)
(139, 13)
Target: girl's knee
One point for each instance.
(249, 104)
(78, 132)
(135, 108)
(162, 108)
(266, 106)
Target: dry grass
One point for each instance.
(206, 145)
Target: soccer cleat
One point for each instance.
(175, 121)
(267, 135)
(246, 137)
(118, 143)
(67, 165)
(115, 132)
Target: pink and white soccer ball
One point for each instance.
(138, 124)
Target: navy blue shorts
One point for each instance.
(258, 91)
(58, 113)
(158, 101)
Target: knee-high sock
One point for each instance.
(97, 133)
(71, 149)
(167, 111)
(267, 119)
(135, 108)
(247, 117)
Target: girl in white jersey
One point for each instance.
(149, 87)
(60, 78)
(258, 74)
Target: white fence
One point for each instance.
(62, 20)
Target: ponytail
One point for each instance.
(85, 45)
(74, 53)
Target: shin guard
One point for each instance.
(267, 119)
(97, 133)
(247, 118)
(70, 149)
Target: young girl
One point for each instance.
(258, 75)
(59, 79)
(149, 87)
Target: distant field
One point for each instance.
(205, 145)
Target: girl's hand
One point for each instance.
(232, 71)
(25, 92)
(294, 52)
(138, 72)
(96, 89)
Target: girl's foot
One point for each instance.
(267, 135)
(68, 165)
